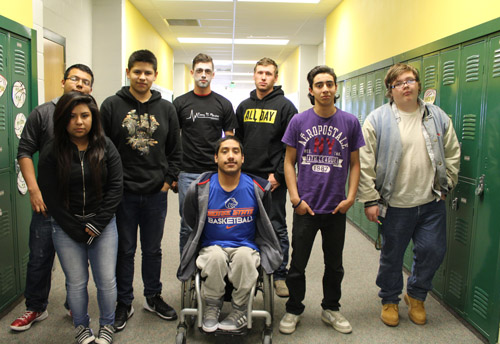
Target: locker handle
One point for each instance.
(480, 186)
(454, 204)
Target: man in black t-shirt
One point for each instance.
(203, 116)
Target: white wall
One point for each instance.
(308, 59)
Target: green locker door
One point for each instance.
(417, 63)
(462, 212)
(8, 284)
(483, 303)
(20, 55)
(340, 94)
(379, 88)
(361, 98)
(347, 102)
(4, 137)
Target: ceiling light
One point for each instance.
(233, 74)
(238, 62)
(287, 1)
(230, 41)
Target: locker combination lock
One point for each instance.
(480, 186)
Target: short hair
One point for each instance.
(143, 55)
(320, 70)
(394, 72)
(83, 68)
(227, 138)
(266, 61)
(202, 58)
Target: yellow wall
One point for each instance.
(288, 75)
(20, 11)
(139, 34)
(188, 79)
(362, 32)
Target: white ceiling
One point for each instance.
(302, 24)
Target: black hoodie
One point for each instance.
(147, 138)
(261, 125)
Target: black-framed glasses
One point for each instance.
(400, 84)
(76, 79)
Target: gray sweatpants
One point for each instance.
(239, 264)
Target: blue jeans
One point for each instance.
(148, 212)
(41, 259)
(277, 215)
(75, 257)
(305, 227)
(426, 226)
(184, 180)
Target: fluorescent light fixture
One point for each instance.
(230, 41)
(238, 62)
(233, 73)
(286, 1)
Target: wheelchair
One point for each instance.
(191, 313)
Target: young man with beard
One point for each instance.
(227, 211)
(409, 164)
(203, 116)
(324, 143)
(262, 121)
(39, 129)
(145, 130)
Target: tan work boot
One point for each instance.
(281, 288)
(390, 314)
(416, 310)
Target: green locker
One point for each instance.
(340, 94)
(417, 63)
(347, 102)
(370, 95)
(4, 137)
(9, 288)
(379, 88)
(448, 83)
(361, 114)
(354, 97)
(483, 303)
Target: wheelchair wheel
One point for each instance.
(268, 294)
(189, 300)
(180, 338)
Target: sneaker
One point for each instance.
(122, 314)
(416, 310)
(105, 335)
(288, 323)
(336, 320)
(236, 320)
(281, 288)
(156, 305)
(211, 315)
(25, 321)
(390, 314)
(84, 335)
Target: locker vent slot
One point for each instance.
(480, 302)
(19, 62)
(455, 286)
(496, 64)
(347, 93)
(449, 73)
(469, 127)
(430, 77)
(354, 91)
(378, 86)
(369, 88)
(3, 117)
(362, 89)
(8, 280)
(461, 231)
(5, 229)
(1, 59)
(472, 68)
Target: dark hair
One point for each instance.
(320, 70)
(81, 67)
(202, 58)
(266, 61)
(62, 143)
(227, 138)
(142, 56)
(394, 72)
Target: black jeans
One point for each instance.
(304, 231)
(277, 215)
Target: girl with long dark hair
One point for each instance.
(80, 175)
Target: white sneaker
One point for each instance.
(288, 323)
(336, 320)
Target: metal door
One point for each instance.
(8, 280)
(4, 84)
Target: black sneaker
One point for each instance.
(122, 314)
(156, 305)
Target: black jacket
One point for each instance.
(261, 125)
(83, 199)
(147, 138)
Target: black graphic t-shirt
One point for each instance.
(202, 120)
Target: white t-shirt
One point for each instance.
(416, 174)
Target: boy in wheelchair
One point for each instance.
(231, 235)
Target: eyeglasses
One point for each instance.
(400, 84)
(76, 79)
(200, 71)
